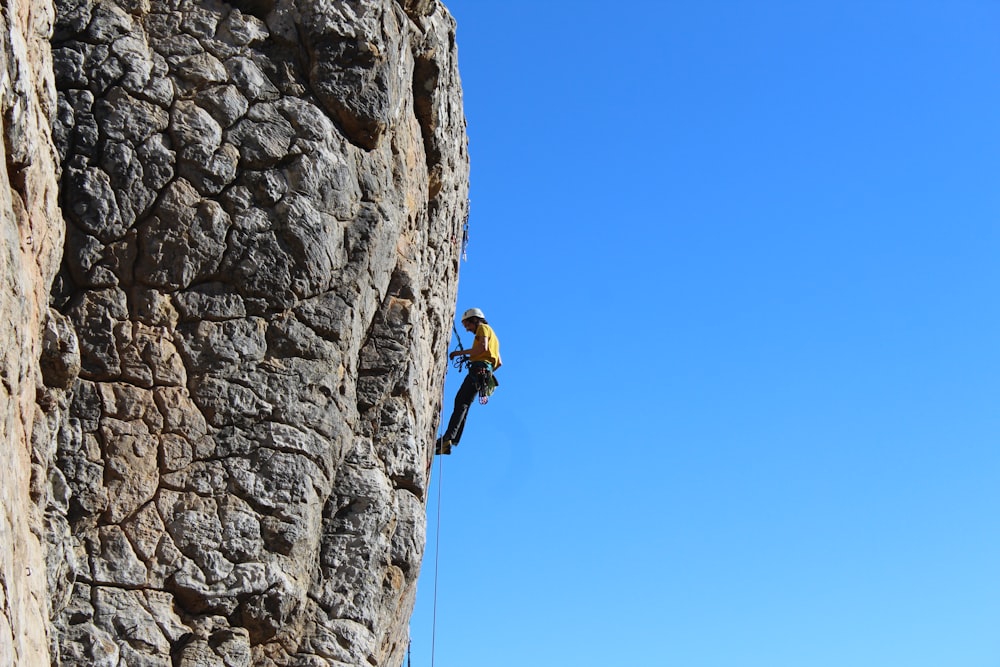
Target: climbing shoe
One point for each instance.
(443, 446)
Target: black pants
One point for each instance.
(467, 393)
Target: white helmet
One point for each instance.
(473, 312)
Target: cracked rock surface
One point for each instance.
(263, 204)
(31, 359)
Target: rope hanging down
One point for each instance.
(465, 231)
(437, 558)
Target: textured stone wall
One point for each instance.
(263, 204)
(30, 246)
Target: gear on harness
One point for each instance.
(485, 383)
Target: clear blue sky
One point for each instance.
(742, 258)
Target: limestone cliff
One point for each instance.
(32, 238)
(227, 392)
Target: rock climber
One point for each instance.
(484, 359)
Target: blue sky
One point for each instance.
(742, 261)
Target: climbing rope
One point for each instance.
(459, 363)
(463, 361)
(437, 554)
(465, 232)
(485, 385)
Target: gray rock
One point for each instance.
(60, 359)
(225, 103)
(200, 69)
(259, 274)
(251, 80)
(264, 137)
(183, 241)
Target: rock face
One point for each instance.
(229, 407)
(31, 238)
